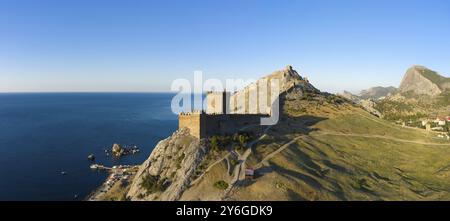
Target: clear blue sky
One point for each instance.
(88, 45)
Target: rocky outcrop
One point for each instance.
(173, 161)
(288, 79)
(367, 104)
(420, 80)
(370, 106)
(117, 150)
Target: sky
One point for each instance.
(143, 46)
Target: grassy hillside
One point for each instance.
(322, 150)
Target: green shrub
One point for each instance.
(153, 184)
(221, 185)
(214, 143)
(219, 142)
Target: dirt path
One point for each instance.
(379, 137)
(209, 168)
(277, 151)
(239, 170)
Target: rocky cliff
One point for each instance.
(423, 81)
(168, 170)
(288, 78)
(422, 91)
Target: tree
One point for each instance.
(214, 143)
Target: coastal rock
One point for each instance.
(172, 162)
(117, 150)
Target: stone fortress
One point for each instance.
(227, 113)
(218, 117)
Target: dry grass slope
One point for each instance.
(341, 153)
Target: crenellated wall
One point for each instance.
(219, 119)
(203, 125)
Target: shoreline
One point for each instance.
(119, 176)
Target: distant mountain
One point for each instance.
(421, 92)
(367, 104)
(423, 81)
(348, 95)
(377, 92)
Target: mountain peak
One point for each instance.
(418, 67)
(423, 81)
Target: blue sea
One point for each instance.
(43, 134)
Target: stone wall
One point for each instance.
(203, 125)
(219, 119)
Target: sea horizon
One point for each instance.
(43, 135)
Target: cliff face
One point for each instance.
(287, 78)
(421, 91)
(172, 163)
(419, 81)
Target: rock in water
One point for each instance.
(91, 157)
(117, 150)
